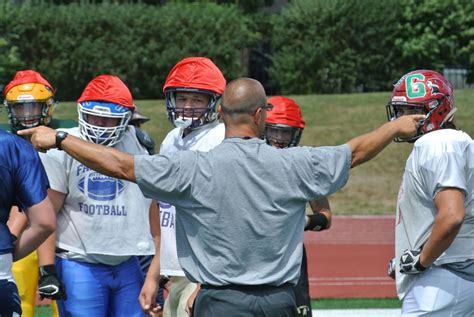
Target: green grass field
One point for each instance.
(331, 120)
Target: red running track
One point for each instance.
(350, 259)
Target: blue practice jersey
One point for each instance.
(24, 181)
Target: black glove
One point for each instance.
(50, 285)
(410, 262)
(391, 268)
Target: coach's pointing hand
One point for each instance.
(42, 138)
(408, 125)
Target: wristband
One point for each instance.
(48, 270)
(317, 222)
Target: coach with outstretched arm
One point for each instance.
(241, 206)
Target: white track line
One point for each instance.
(356, 312)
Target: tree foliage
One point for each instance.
(73, 43)
(436, 33)
(333, 46)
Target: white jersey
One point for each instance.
(102, 217)
(202, 139)
(440, 159)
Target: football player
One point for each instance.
(102, 222)
(434, 260)
(283, 129)
(30, 102)
(192, 90)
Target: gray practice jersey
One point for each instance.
(103, 219)
(241, 206)
(440, 159)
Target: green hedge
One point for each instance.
(313, 46)
(70, 44)
(333, 46)
(321, 46)
(436, 33)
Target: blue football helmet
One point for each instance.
(95, 124)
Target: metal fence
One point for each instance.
(458, 77)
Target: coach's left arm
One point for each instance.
(103, 159)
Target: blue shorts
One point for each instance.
(9, 299)
(100, 290)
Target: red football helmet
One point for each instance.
(193, 75)
(284, 124)
(424, 92)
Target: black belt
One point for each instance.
(245, 287)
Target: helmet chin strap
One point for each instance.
(449, 116)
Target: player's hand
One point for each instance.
(42, 138)
(147, 297)
(50, 285)
(410, 262)
(391, 268)
(407, 126)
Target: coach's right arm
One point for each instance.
(367, 146)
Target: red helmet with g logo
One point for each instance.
(426, 92)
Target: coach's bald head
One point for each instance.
(241, 108)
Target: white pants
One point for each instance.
(438, 292)
(175, 303)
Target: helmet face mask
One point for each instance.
(422, 92)
(29, 105)
(282, 136)
(201, 112)
(103, 122)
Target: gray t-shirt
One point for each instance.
(240, 208)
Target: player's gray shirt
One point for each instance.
(440, 159)
(103, 219)
(240, 208)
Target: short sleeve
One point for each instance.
(330, 167)
(31, 182)
(442, 171)
(55, 164)
(165, 178)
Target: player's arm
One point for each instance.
(321, 217)
(367, 146)
(150, 287)
(17, 222)
(42, 221)
(449, 219)
(103, 159)
(50, 285)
